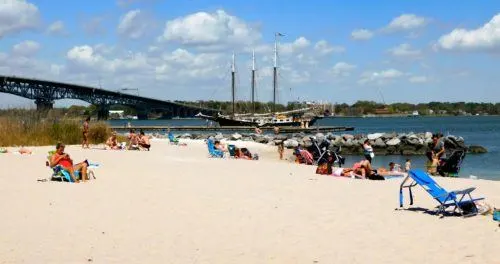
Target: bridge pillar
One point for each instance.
(142, 115)
(44, 105)
(102, 112)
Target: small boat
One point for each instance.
(414, 114)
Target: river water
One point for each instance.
(476, 130)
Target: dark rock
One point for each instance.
(379, 143)
(477, 149)
(281, 137)
(261, 139)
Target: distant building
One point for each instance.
(116, 114)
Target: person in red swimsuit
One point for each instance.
(62, 159)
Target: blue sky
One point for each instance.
(337, 51)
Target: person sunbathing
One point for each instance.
(133, 140)
(63, 159)
(363, 168)
(144, 141)
(112, 142)
(303, 156)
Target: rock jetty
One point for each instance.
(382, 143)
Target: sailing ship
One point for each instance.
(294, 118)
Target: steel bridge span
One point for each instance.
(46, 92)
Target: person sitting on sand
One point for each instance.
(62, 159)
(112, 142)
(144, 141)
(133, 140)
(303, 156)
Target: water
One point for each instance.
(476, 130)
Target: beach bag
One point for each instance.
(496, 215)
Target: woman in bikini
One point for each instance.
(86, 133)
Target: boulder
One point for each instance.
(281, 137)
(186, 135)
(414, 141)
(375, 136)
(290, 143)
(320, 137)
(393, 142)
(219, 136)
(347, 136)
(387, 136)
(379, 143)
(331, 136)
(261, 139)
(349, 143)
(428, 135)
(236, 136)
(477, 149)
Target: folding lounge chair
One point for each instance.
(232, 150)
(461, 200)
(172, 139)
(60, 174)
(212, 151)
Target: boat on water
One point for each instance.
(304, 117)
(414, 114)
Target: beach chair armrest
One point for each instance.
(464, 191)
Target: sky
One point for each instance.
(333, 51)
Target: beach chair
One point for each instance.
(60, 174)
(172, 139)
(212, 151)
(232, 150)
(460, 200)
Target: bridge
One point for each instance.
(46, 92)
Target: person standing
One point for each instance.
(368, 151)
(86, 133)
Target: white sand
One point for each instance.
(175, 205)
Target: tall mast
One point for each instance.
(275, 69)
(233, 71)
(253, 81)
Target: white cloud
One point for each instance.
(207, 29)
(485, 38)
(405, 50)
(16, 16)
(94, 26)
(406, 22)
(342, 69)
(56, 28)
(362, 34)
(133, 24)
(380, 78)
(324, 48)
(418, 79)
(26, 48)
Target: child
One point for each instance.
(408, 165)
(281, 149)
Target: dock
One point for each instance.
(315, 129)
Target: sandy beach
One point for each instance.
(175, 205)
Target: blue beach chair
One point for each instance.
(172, 139)
(461, 200)
(212, 151)
(60, 174)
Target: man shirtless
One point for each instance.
(62, 159)
(144, 141)
(112, 142)
(85, 141)
(133, 140)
